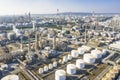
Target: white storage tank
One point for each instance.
(11, 77)
(40, 70)
(50, 66)
(4, 66)
(45, 68)
(47, 48)
(86, 48)
(69, 57)
(74, 53)
(96, 53)
(60, 75)
(81, 50)
(89, 58)
(80, 63)
(71, 69)
(65, 59)
(11, 36)
(54, 64)
(104, 51)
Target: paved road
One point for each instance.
(103, 73)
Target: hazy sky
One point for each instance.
(8, 7)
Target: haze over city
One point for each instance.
(13, 7)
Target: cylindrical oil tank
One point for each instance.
(89, 58)
(74, 53)
(69, 57)
(71, 69)
(50, 66)
(96, 53)
(40, 70)
(4, 66)
(55, 64)
(80, 63)
(81, 50)
(60, 75)
(104, 52)
(45, 68)
(65, 59)
(11, 77)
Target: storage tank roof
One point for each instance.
(61, 72)
(71, 66)
(10, 77)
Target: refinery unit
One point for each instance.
(76, 52)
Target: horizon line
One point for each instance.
(17, 14)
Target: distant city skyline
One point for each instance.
(14, 7)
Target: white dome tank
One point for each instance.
(89, 58)
(60, 75)
(65, 59)
(74, 53)
(41, 70)
(45, 68)
(54, 64)
(10, 77)
(71, 69)
(96, 53)
(69, 57)
(81, 50)
(50, 66)
(80, 63)
(104, 51)
(4, 66)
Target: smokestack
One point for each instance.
(22, 44)
(33, 25)
(54, 40)
(29, 46)
(36, 42)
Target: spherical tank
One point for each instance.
(41, 70)
(54, 64)
(45, 68)
(50, 66)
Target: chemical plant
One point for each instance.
(60, 47)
